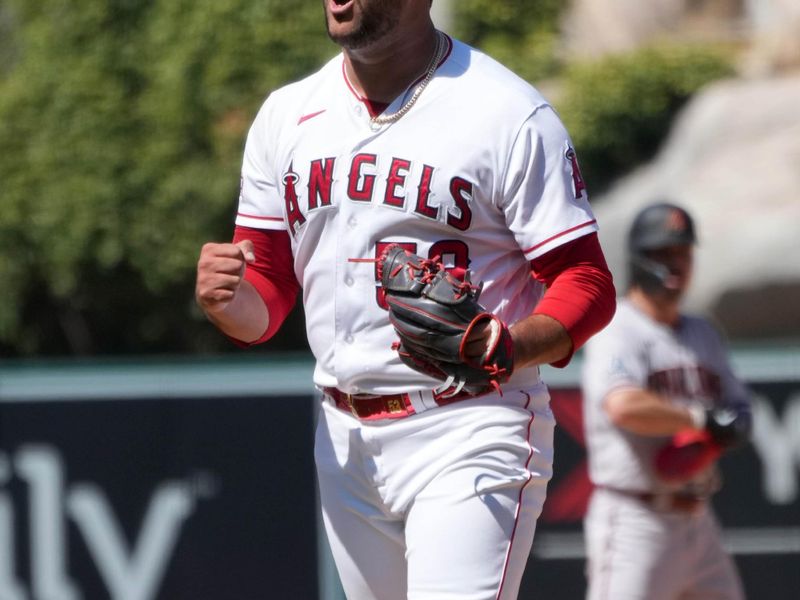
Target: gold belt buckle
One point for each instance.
(395, 406)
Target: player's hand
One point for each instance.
(478, 343)
(220, 270)
(482, 339)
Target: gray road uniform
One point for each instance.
(648, 539)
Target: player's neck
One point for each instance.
(382, 71)
(662, 309)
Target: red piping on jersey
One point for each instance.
(373, 108)
(519, 499)
(279, 219)
(558, 235)
(376, 108)
(447, 54)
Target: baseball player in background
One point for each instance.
(410, 137)
(660, 405)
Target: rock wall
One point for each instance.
(769, 28)
(733, 160)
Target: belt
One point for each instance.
(371, 407)
(676, 502)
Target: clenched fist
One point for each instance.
(220, 271)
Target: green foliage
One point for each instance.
(7, 48)
(121, 130)
(619, 110)
(519, 33)
(122, 124)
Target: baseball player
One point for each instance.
(660, 403)
(412, 139)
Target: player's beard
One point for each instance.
(372, 19)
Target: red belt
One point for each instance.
(369, 407)
(679, 502)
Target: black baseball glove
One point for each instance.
(729, 426)
(433, 314)
(690, 451)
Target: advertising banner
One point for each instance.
(158, 498)
(196, 481)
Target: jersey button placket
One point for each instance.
(346, 293)
(349, 281)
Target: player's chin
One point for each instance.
(343, 31)
(350, 36)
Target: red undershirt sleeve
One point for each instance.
(580, 289)
(272, 275)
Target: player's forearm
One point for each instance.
(580, 291)
(244, 318)
(539, 339)
(644, 413)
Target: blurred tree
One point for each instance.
(521, 34)
(121, 129)
(618, 110)
(7, 49)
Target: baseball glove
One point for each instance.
(433, 314)
(692, 450)
(729, 426)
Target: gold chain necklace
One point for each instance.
(380, 120)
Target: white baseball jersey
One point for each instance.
(480, 172)
(686, 364)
